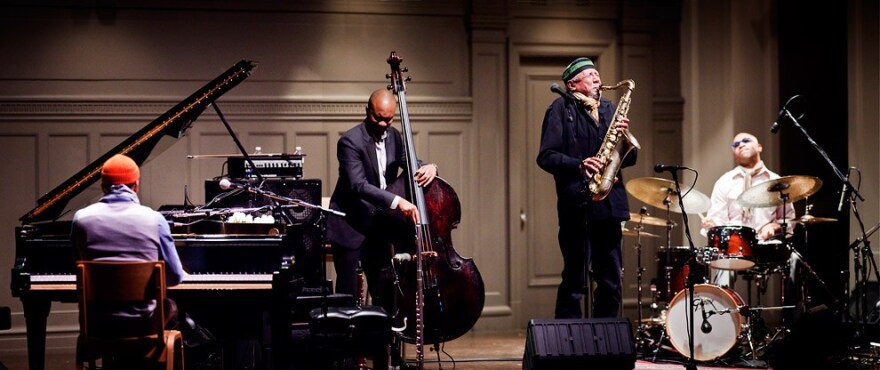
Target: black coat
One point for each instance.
(568, 135)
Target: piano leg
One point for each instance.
(36, 312)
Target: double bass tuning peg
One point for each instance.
(387, 76)
(408, 79)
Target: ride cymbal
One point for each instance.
(658, 192)
(770, 193)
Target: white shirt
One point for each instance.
(382, 161)
(726, 211)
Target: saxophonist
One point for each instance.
(590, 232)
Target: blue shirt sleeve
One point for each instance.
(168, 253)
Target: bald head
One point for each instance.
(381, 108)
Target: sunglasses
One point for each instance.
(744, 140)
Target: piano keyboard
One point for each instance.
(190, 281)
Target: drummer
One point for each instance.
(726, 211)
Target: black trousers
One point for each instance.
(592, 247)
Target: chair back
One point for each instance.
(103, 284)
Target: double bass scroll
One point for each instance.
(440, 291)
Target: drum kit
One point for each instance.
(722, 319)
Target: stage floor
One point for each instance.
(504, 351)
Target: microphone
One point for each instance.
(781, 116)
(843, 191)
(401, 257)
(225, 184)
(565, 94)
(667, 167)
(706, 327)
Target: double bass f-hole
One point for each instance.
(441, 293)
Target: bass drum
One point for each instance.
(721, 306)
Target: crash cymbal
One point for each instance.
(810, 219)
(639, 218)
(654, 191)
(767, 194)
(628, 232)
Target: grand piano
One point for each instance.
(249, 277)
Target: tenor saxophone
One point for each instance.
(615, 146)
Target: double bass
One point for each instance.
(441, 294)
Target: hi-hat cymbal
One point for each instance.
(810, 219)
(628, 232)
(639, 218)
(656, 192)
(769, 193)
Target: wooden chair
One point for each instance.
(103, 283)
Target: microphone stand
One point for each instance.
(847, 185)
(848, 189)
(691, 363)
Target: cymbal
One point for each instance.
(654, 191)
(810, 219)
(628, 232)
(647, 220)
(654, 320)
(767, 194)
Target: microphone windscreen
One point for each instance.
(225, 184)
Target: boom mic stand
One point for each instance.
(848, 191)
(691, 363)
(861, 257)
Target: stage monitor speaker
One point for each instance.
(579, 344)
(308, 191)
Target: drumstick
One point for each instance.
(703, 231)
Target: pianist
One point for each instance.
(119, 228)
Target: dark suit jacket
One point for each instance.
(357, 191)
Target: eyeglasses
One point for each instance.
(744, 140)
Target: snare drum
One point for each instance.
(722, 311)
(734, 246)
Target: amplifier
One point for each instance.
(268, 165)
(308, 191)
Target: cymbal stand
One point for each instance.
(639, 270)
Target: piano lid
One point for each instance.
(141, 145)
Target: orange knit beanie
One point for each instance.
(120, 169)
